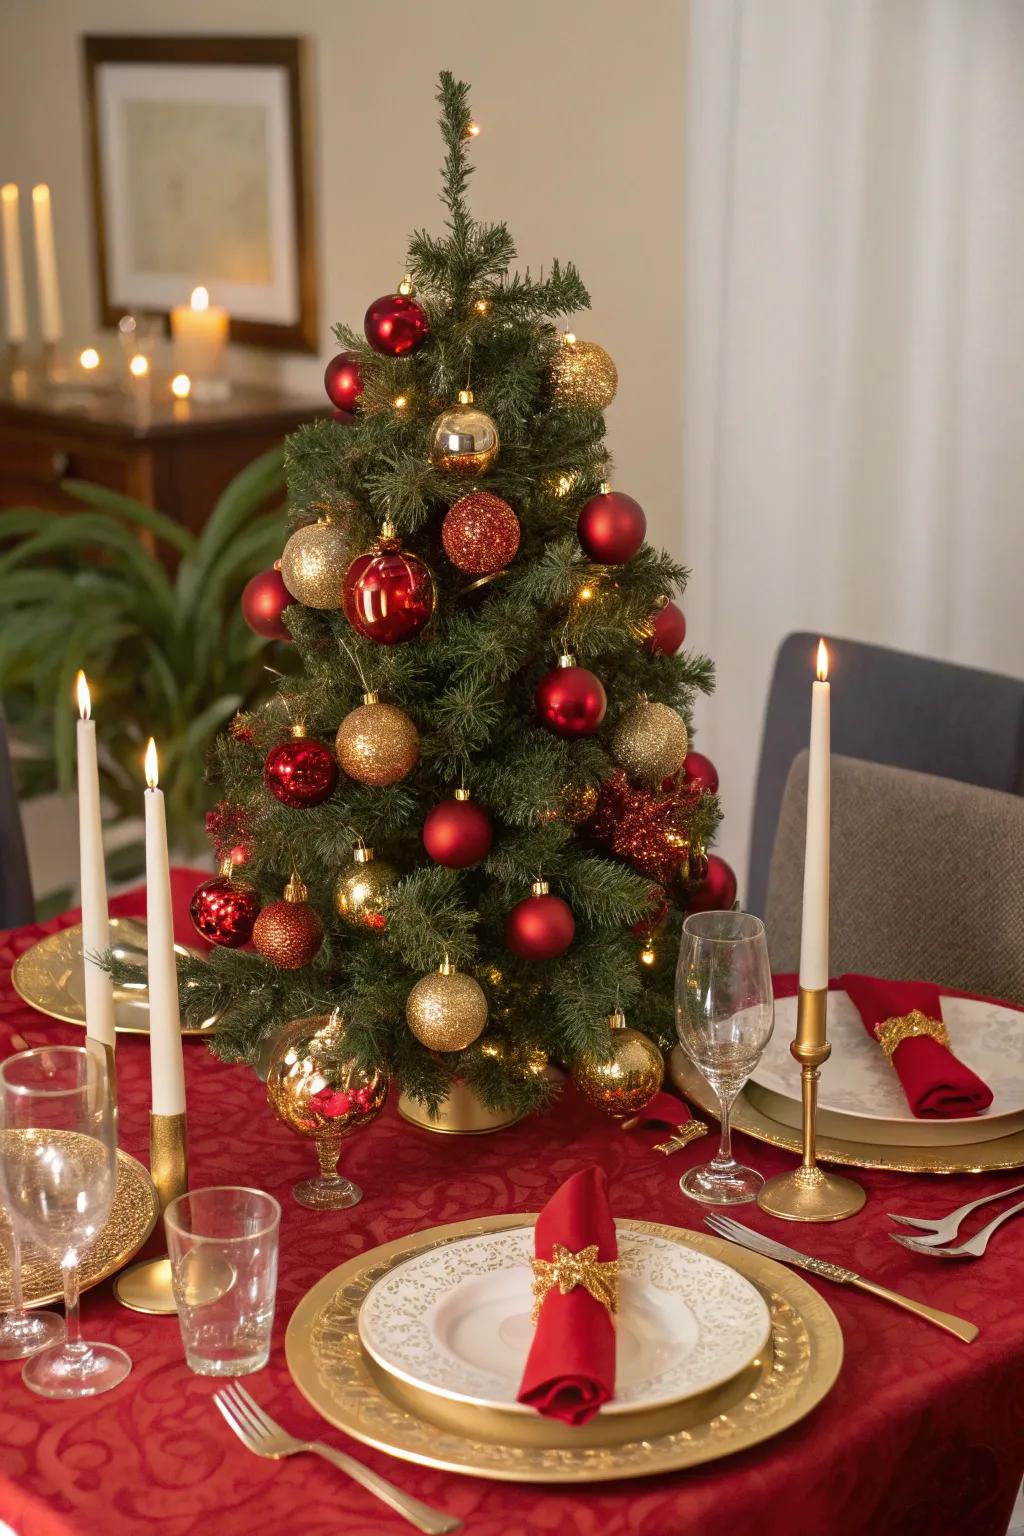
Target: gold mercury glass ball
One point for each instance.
(363, 889)
(463, 439)
(314, 1087)
(628, 1080)
(650, 742)
(583, 375)
(314, 563)
(446, 1010)
(377, 743)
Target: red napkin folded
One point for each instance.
(665, 1113)
(570, 1370)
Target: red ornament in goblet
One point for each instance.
(343, 381)
(457, 833)
(611, 527)
(541, 926)
(396, 325)
(570, 701)
(668, 629)
(264, 599)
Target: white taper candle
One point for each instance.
(99, 989)
(814, 927)
(50, 326)
(15, 308)
(167, 1068)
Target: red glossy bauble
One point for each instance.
(669, 629)
(700, 773)
(396, 325)
(611, 527)
(540, 927)
(223, 911)
(343, 381)
(388, 594)
(717, 893)
(480, 533)
(264, 599)
(570, 701)
(457, 833)
(300, 772)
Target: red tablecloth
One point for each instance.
(920, 1434)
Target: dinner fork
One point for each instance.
(724, 1226)
(947, 1227)
(260, 1434)
(973, 1248)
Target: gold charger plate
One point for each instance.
(132, 1218)
(49, 977)
(330, 1370)
(971, 1157)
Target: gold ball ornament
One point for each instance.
(650, 743)
(377, 743)
(363, 890)
(630, 1077)
(314, 563)
(583, 376)
(579, 802)
(447, 1010)
(464, 440)
(289, 932)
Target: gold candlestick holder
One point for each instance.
(146, 1286)
(809, 1194)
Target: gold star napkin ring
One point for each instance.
(692, 1130)
(568, 1270)
(892, 1032)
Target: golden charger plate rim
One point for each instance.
(329, 1368)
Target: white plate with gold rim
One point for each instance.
(455, 1321)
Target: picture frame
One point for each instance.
(201, 176)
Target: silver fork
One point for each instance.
(947, 1227)
(260, 1434)
(973, 1248)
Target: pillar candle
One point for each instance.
(46, 265)
(814, 928)
(14, 271)
(200, 332)
(99, 989)
(165, 1059)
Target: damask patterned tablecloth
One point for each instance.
(920, 1434)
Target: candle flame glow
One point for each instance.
(9, 192)
(200, 298)
(822, 662)
(152, 774)
(181, 386)
(41, 193)
(89, 358)
(139, 366)
(82, 695)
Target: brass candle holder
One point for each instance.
(809, 1194)
(146, 1286)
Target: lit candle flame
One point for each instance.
(139, 366)
(181, 386)
(89, 358)
(822, 662)
(200, 298)
(41, 193)
(82, 694)
(152, 775)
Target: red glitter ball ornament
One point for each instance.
(264, 599)
(570, 701)
(700, 773)
(395, 324)
(611, 527)
(668, 629)
(480, 533)
(387, 593)
(457, 833)
(541, 926)
(343, 381)
(224, 910)
(717, 892)
(300, 771)
(289, 932)
(646, 828)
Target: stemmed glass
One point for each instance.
(22, 1332)
(724, 1017)
(58, 1170)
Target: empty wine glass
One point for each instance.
(58, 1171)
(22, 1332)
(724, 1017)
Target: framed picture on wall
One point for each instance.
(201, 178)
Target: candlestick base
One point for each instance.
(146, 1287)
(809, 1194)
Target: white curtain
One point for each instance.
(854, 347)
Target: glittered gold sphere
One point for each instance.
(630, 1077)
(314, 1086)
(362, 892)
(377, 743)
(650, 743)
(314, 562)
(583, 376)
(579, 801)
(289, 932)
(446, 1010)
(463, 439)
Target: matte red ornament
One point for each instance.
(300, 771)
(716, 893)
(700, 773)
(611, 527)
(457, 833)
(387, 593)
(224, 910)
(480, 533)
(396, 325)
(343, 381)
(669, 629)
(570, 701)
(264, 599)
(541, 926)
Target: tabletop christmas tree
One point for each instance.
(466, 827)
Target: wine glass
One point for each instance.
(724, 1017)
(22, 1332)
(58, 1170)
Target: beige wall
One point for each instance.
(581, 107)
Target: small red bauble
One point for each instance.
(343, 381)
(223, 911)
(396, 325)
(570, 701)
(457, 833)
(388, 594)
(669, 629)
(717, 892)
(480, 533)
(300, 771)
(656, 916)
(264, 599)
(700, 773)
(611, 527)
(540, 927)
(289, 932)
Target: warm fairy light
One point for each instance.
(89, 359)
(181, 386)
(586, 594)
(563, 485)
(482, 306)
(139, 366)
(472, 129)
(82, 695)
(400, 402)
(822, 662)
(200, 298)
(152, 770)
(647, 955)
(568, 339)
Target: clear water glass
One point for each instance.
(223, 1249)
(22, 1332)
(725, 1013)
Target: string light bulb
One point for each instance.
(482, 306)
(647, 954)
(181, 386)
(139, 366)
(472, 129)
(400, 402)
(89, 359)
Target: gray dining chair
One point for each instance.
(927, 879)
(17, 906)
(887, 707)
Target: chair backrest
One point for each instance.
(887, 707)
(927, 879)
(17, 906)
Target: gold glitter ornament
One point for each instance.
(314, 563)
(464, 440)
(289, 932)
(583, 376)
(362, 892)
(624, 1083)
(377, 743)
(446, 1010)
(650, 743)
(579, 801)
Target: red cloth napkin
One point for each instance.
(664, 1113)
(570, 1370)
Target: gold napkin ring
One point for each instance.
(567, 1270)
(892, 1032)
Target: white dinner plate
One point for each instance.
(455, 1321)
